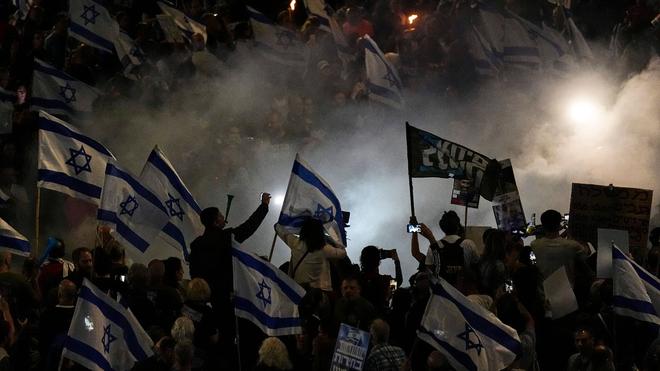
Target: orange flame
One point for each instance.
(292, 5)
(411, 18)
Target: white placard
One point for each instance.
(559, 293)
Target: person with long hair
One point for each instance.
(273, 356)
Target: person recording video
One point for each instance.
(377, 287)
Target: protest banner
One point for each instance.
(465, 193)
(507, 206)
(350, 350)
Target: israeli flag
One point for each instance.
(92, 24)
(57, 93)
(265, 295)
(130, 56)
(12, 241)
(636, 291)
(135, 214)
(471, 337)
(184, 226)
(69, 161)
(317, 8)
(103, 334)
(277, 43)
(344, 52)
(383, 81)
(187, 25)
(309, 195)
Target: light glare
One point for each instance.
(582, 110)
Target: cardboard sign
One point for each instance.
(559, 293)
(465, 193)
(350, 350)
(508, 211)
(596, 206)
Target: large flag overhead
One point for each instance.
(69, 161)
(309, 195)
(187, 25)
(471, 337)
(636, 291)
(432, 156)
(265, 295)
(57, 93)
(135, 214)
(184, 226)
(91, 23)
(383, 81)
(103, 334)
(13, 241)
(277, 43)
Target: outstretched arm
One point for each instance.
(247, 229)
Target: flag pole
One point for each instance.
(466, 213)
(410, 182)
(36, 221)
(237, 339)
(272, 247)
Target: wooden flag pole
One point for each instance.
(36, 222)
(466, 212)
(272, 247)
(410, 182)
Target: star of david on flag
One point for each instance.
(174, 207)
(108, 338)
(89, 14)
(129, 206)
(276, 43)
(383, 81)
(469, 343)
(60, 94)
(92, 24)
(73, 160)
(68, 93)
(264, 293)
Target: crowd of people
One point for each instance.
(191, 321)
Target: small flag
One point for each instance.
(277, 43)
(92, 24)
(265, 295)
(131, 209)
(383, 81)
(309, 195)
(130, 56)
(187, 25)
(103, 334)
(184, 226)
(471, 337)
(57, 93)
(13, 241)
(636, 291)
(70, 162)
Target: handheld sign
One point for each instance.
(350, 350)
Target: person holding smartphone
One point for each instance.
(376, 286)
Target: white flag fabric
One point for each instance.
(69, 161)
(383, 81)
(265, 295)
(309, 195)
(184, 225)
(277, 43)
(103, 334)
(92, 24)
(23, 7)
(12, 241)
(187, 25)
(317, 8)
(579, 44)
(470, 336)
(135, 214)
(636, 291)
(129, 55)
(57, 93)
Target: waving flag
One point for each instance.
(13, 241)
(92, 24)
(187, 25)
(636, 291)
(265, 295)
(382, 79)
(184, 226)
(134, 212)
(309, 195)
(130, 56)
(70, 162)
(57, 93)
(277, 43)
(471, 337)
(103, 334)
(317, 8)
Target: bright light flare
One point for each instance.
(278, 200)
(583, 110)
(292, 5)
(412, 18)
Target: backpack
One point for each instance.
(452, 261)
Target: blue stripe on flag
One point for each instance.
(259, 17)
(15, 243)
(268, 321)
(645, 276)
(115, 316)
(139, 188)
(383, 92)
(123, 230)
(633, 304)
(91, 36)
(68, 181)
(291, 221)
(373, 49)
(50, 104)
(480, 323)
(85, 351)
(266, 271)
(55, 127)
(176, 183)
(174, 232)
(47, 69)
(458, 355)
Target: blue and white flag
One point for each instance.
(130, 56)
(184, 226)
(317, 8)
(23, 7)
(277, 43)
(309, 195)
(344, 52)
(471, 337)
(103, 334)
(187, 25)
(12, 241)
(383, 81)
(92, 24)
(265, 295)
(636, 291)
(135, 214)
(69, 161)
(58, 93)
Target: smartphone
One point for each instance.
(508, 286)
(122, 278)
(532, 257)
(414, 228)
